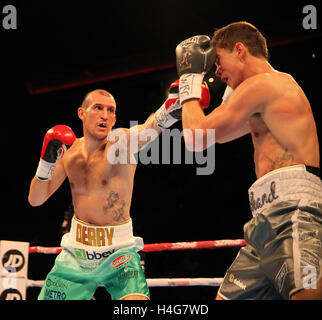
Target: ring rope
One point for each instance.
(166, 282)
(161, 282)
(154, 247)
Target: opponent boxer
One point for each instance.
(100, 247)
(283, 256)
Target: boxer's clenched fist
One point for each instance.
(56, 142)
(195, 57)
(171, 111)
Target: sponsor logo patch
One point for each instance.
(236, 281)
(119, 261)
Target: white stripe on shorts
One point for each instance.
(296, 250)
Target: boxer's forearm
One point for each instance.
(38, 192)
(234, 135)
(150, 123)
(147, 132)
(192, 115)
(195, 134)
(220, 119)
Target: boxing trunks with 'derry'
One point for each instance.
(93, 256)
(283, 254)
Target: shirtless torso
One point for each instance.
(101, 191)
(277, 145)
(273, 108)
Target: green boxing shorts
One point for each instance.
(93, 256)
(283, 254)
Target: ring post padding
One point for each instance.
(14, 258)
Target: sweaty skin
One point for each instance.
(284, 131)
(273, 108)
(101, 190)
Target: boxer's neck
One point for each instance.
(91, 145)
(254, 66)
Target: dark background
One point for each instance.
(62, 50)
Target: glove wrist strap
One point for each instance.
(163, 118)
(45, 170)
(190, 86)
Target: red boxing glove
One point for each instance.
(56, 142)
(205, 96)
(171, 111)
(172, 104)
(174, 95)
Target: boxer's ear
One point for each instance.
(241, 50)
(80, 112)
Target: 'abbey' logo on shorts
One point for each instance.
(85, 255)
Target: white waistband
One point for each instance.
(100, 236)
(289, 183)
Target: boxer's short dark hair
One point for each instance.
(244, 32)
